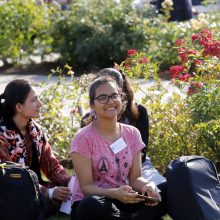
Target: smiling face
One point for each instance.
(112, 104)
(31, 107)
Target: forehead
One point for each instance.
(107, 88)
(32, 93)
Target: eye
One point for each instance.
(116, 97)
(35, 98)
(103, 98)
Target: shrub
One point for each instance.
(25, 30)
(95, 34)
(184, 121)
(62, 107)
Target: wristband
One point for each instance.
(50, 192)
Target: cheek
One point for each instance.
(120, 106)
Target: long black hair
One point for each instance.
(15, 92)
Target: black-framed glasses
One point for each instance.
(103, 99)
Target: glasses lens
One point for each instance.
(103, 99)
(116, 97)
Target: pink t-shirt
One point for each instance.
(109, 170)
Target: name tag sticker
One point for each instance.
(118, 145)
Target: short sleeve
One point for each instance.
(81, 144)
(133, 138)
(137, 143)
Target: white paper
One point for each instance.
(66, 205)
(118, 145)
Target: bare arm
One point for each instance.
(136, 181)
(140, 184)
(83, 169)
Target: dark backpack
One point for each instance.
(19, 193)
(193, 189)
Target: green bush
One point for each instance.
(92, 34)
(96, 34)
(24, 29)
(184, 121)
(62, 108)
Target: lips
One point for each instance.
(110, 109)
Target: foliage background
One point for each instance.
(91, 36)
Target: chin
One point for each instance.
(37, 115)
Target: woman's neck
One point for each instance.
(109, 130)
(20, 123)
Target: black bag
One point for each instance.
(19, 193)
(193, 189)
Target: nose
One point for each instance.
(110, 100)
(39, 103)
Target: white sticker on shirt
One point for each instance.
(118, 145)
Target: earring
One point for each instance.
(93, 114)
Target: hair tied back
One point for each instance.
(2, 96)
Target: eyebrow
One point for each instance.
(108, 95)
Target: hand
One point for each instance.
(61, 193)
(152, 191)
(126, 195)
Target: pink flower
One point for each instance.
(131, 52)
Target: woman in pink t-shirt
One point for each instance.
(107, 160)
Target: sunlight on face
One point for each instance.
(113, 106)
(32, 105)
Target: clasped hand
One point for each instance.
(125, 194)
(61, 193)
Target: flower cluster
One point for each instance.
(133, 57)
(137, 64)
(199, 57)
(205, 39)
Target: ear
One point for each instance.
(19, 107)
(91, 106)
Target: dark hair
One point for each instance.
(131, 111)
(112, 73)
(96, 83)
(15, 92)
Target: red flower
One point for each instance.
(212, 49)
(195, 37)
(175, 71)
(184, 77)
(183, 54)
(198, 62)
(74, 111)
(179, 42)
(206, 34)
(191, 51)
(143, 60)
(131, 52)
(194, 86)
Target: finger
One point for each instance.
(152, 204)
